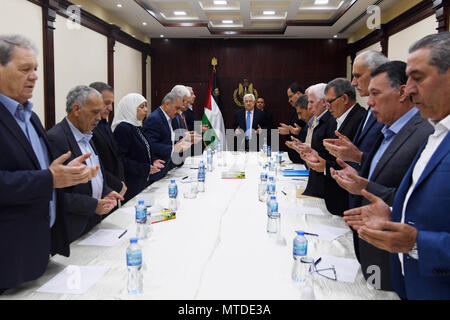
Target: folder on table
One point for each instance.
(295, 173)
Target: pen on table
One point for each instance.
(185, 177)
(317, 261)
(311, 234)
(284, 192)
(296, 179)
(123, 233)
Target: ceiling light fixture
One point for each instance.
(269, 12)
(227, 21)
(161, 36)
(321, 2)
(144, 23)
(220, 2)
(179, 13)
(119, 5)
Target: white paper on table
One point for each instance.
(300, 209)
(103, 237)
(74, 280)
(346, 269)
(326, 232)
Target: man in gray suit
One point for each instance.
(404, 133)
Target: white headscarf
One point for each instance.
(127, 110)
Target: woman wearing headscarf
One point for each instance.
(141, 169)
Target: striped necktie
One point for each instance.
(310, 132)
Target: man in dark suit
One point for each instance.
(158, 128)
(87, 202)
(322, 127)
(32, 219)
(248, 123)
(417, 232)
(404, 133)
(261, 104)
(105, 143)
(340, 98)
(294, 91)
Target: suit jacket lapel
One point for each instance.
(441, 152)
(11, 124)
(164, 121)
(398, 141)
(76, 152)
(370, 123)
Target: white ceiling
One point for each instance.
(247, 16)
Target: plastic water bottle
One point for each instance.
(269, 152)
(141, 221)
(201, 177)
(272, 165)
(271, 188)
(273, 223)
(173, 193)
(209, 159)
(265, 147)
(219, 155)
(300, 249)
(262, 186)
(134, 266)
(279, 158)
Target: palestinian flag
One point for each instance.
(212, 115)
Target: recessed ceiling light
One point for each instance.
(119, 5)
(179, 13)
(269, 12)
(161, 36)
(335, 36)
(144, 23)
(220, 2)
(320, 2)
(227, 21)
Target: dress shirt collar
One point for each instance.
(321, 115)
(12, 106)
(251, 112)
(190, 107)
(441, 126)
(169, 120)
(79, 136)
(400, 123)
(342, 118)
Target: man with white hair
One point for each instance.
(85, 203)
(32, 217)
(249, 121)
(322, 127)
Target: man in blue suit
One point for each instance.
(159, 129)
(32, 221)
(417, 232)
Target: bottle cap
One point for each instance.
(133, 240)
(300, 232)
(272, 197)
(140, 201)
(271, 178)
(172, 180)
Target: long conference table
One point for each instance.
(217, 247)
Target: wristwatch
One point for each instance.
(414, 252)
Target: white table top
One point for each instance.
(216, 248)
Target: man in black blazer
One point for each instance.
(87, 202)
(105, 143)
(322, 127)
(261, 105)
(248, 124)
(403, 134)
(340, 98)
(32, 219)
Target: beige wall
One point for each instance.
(127, 71)
(29, 25)
(400, 42)
(80, 59)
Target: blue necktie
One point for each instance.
(248, 126)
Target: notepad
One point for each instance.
(346, 269)
(103, 238)
(295, 173)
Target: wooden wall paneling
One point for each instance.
(442, 16)
(49, 18)
(270, 64)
